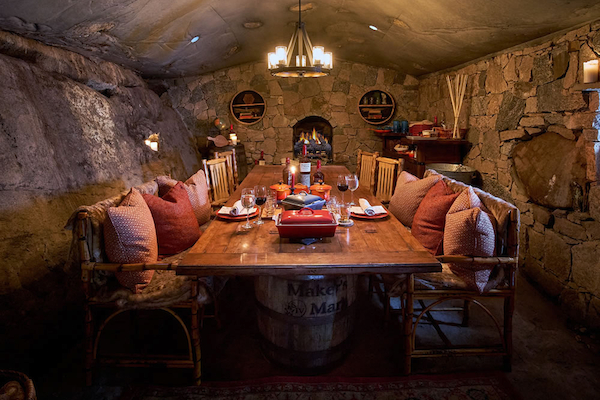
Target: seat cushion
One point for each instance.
(177, 228)
(430, 218)
(130, 237)
(408, 194)
(197, 190)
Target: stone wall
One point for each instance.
(200, 100)
(71, 133)
(535, 141)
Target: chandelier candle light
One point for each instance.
(300, 58)
(457, 93)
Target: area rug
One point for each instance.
(492, 386)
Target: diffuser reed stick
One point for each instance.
(457, 89)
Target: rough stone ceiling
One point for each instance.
(414, 36)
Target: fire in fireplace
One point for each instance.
(316, 133)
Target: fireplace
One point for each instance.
(316, 133)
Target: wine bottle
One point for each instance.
(304, 168)
(318, 175)
(287, 173)
(261, 160)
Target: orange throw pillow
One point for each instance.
(130, 237)
(408, 194)
(430, 218)
(176, 225)
(197, 190)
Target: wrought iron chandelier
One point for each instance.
(300, 58)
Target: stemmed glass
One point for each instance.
(248, 203)
(342, 185)
(261, 198)
(352, 181)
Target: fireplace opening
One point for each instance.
(317, 134)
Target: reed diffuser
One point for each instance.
(457, 88)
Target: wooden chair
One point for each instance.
(365, 169)
(388, 170)
(231, 158)
(219, 177)
(440, 288)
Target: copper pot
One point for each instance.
(300, 188)
(322, 190)
(280, 190)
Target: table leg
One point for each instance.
(196, 335)
(407, 322)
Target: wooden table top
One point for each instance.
(370, 246)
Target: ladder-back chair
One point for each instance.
(388, 170)
(231, 158)
(219, 177)
(365, 169)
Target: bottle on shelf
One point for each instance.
(261, 160)
(318, 176)
(304, 168)
(287, 173)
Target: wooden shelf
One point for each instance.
(366, 103)
(584, 87)
(248, 101)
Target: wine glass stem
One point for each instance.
(352, 196)
(259, 215)
(247, 217)
(343, 193)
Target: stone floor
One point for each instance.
(551, 361)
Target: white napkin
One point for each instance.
(365, 208)
(236, 210)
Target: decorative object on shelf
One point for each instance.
(152, 141)
(221, 123)
(457, 90)
(219, 140)
(247, 107)
(590, 71)
(376, 107)
(300, 59)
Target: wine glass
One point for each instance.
(352, 181)
(342, 185)
(260, 193)
(248, 203)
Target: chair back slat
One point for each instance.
(386, 178)
(232, 161)
(365, 169)
(219, 179)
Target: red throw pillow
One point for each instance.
(176, 225)
(197, 190)
(129, 238)
(408, 194)
(430, 218)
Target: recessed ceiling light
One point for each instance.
(373, 27)
(195, 39)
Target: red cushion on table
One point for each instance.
(430, 218)
(176, 225)
(129, 238)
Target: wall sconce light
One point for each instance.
(590, 71)
(152, 141)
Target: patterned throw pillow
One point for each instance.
(130, 237)
(197, 190)
(176, 225)
(408, 194)
(430, 218)
(470, 231)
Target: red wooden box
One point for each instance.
(306, 223)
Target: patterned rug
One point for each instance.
(493, 386)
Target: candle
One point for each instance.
(590, 71)
(233, 138)
(293, 169)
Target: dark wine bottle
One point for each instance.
(318, 176)
(261, 160)
(287, 173)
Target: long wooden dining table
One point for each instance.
(370, 246)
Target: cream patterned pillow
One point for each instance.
(408, 194)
